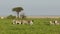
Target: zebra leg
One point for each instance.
(19, 22)
(13, 21)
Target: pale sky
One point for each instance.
(31, 7)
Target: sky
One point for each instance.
(31, 7)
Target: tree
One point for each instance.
(17, 9)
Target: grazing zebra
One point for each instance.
(54, 22)
(51, 22)
(23, 22)
(27, 22)
(16, 21)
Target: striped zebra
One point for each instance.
(55, 22)
(16, 21)
(23, 22)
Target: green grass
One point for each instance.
(40, 26)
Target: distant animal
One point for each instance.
(23, 22)
(54, 22)
(16, 21)
(27, 22)
(57, 22)
(51, 22)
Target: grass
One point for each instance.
(40, 26)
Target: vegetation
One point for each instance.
(40, 26)
(17, 9)
(11, 17)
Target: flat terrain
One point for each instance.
(40, 26)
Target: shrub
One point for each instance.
(11, 17)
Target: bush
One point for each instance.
(11, 17)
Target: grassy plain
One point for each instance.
(40, 26)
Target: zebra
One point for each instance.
(16, 21)
(27, 22)
(23, 22)
(55, 22)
